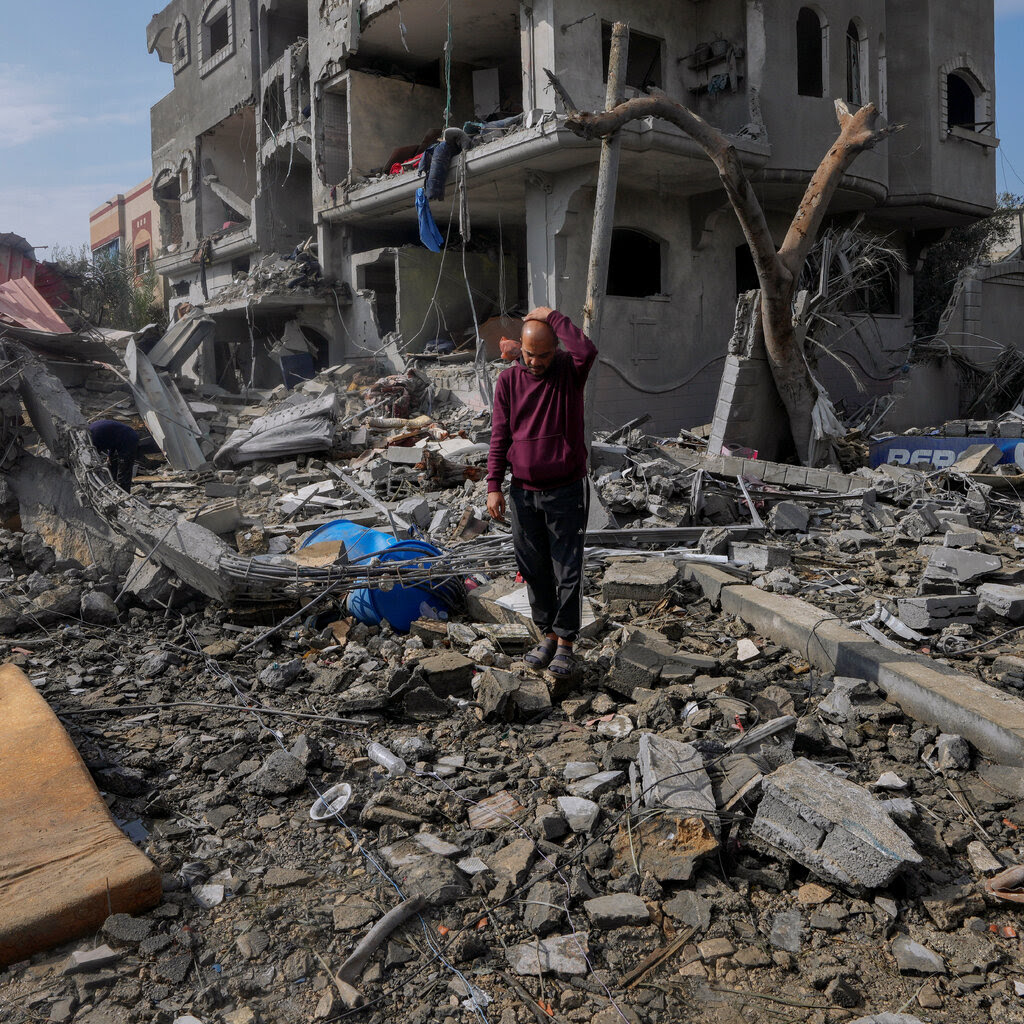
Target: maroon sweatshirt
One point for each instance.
(537, 422)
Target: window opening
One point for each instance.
(142, 259)
(809, 54)
(644, 64)
(960, 102)
(854, 88)
(634, 266)
(218, 33)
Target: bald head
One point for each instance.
(539, 346)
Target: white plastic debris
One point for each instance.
(333, 802)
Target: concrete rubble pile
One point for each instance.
(791, 758)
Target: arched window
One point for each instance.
(634, 265)
(181, 44)
(216, 34)
(810, 54)
(856, 64)
(961, 108)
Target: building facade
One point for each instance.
(129, 223)
(295, 118)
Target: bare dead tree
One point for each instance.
(778, 270)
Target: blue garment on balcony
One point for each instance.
(429, 234)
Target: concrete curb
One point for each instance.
(927, 691)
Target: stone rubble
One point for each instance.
(560, 835)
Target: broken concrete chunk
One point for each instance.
(934, 613)
(560, 954)
(634, 665)
(594, 785)
(617, 910)
(1003, 601)
(831, 826)
(978, 458)
(918, 524)
(759, 556)
(645, 581)
(673, 775)
(82, 960)
(839, 706)
(581, 814)
(449, 673)
(789, 517)
(279, 775)
(958, 565)
(952, 752)
(913, 958)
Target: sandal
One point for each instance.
(542, 654)
(563, 664)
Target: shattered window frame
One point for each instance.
(210, 58)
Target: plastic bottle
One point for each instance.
(392, 762)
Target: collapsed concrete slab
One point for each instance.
(832, 826)
(991, 720)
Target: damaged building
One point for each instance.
(291, 120)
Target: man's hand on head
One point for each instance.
(541, 313)
(496, 506)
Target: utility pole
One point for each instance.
(604, 211)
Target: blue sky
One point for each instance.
(76, 85)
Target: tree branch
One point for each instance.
(858, 132)
(718, 149)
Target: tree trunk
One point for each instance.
(778, 271)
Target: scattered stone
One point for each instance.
(561, 954)
(953, 753)
(787, 931)
(284, 878)
(99, 608)
(594, 785)
(84, 960)
(691, 909)
(581, 814)
(711, 950)
(606, 912)
(913, 958)
(354, 912)
(982, 860)
(279, 775)
(125, 930)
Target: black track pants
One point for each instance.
(548, 531)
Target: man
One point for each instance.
(120, 444)
(537, 432)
